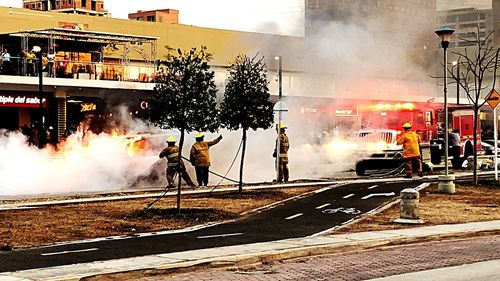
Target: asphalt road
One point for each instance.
(323, 210)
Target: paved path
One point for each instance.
(257, 252)
(325, 209)
(370, 264)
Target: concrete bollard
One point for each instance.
(409, 207)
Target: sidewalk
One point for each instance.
(257, 252)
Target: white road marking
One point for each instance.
(294, 216)
(220, 235)
(373, 186)
(347, 196)
(323, 189)
(322, 206)
(378, 194)
(69, 252)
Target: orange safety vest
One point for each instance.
(410, 141)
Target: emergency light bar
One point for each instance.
(388, 107)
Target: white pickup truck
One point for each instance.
(379, 150)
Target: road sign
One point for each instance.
(493, 98)
(280, 106)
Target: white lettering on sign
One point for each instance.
(19, 100)
(346, 112)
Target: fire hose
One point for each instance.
(168, 187)
(228, 170)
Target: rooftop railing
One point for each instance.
(132, 72)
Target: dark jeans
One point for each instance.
(202, 175)
(457, 160)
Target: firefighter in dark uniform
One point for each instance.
(171, 152)
(200, 157)
(284, 144)
(411, 151)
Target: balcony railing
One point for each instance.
(131, 72)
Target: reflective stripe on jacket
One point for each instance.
(284, 146)
(171, 153)
(410, 141)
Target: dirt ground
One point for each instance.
(47, 225)
(468, 204)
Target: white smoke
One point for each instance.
(95, 163)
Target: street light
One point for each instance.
(38, 51)
(445, 182)
(280, 107)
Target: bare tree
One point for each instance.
(476, 76)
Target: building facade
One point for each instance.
(84, 7)
(165, 16)
(390, 18)
(101, 62)
(467, 23)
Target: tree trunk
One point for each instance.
(474, 172)
(181, 143)
(244, 140)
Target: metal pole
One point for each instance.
(280, 78)
(278, 142)
(458, 82)
(445, 113)
(40, 94)
(495, 139)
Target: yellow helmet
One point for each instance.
(282, 125)
(199, 135)
(407, 125)
(171, 139)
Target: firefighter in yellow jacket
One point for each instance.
(284, 144)
(411, 150)
(171, 152)
(200, 157)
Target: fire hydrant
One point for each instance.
(409, 207)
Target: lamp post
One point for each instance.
(38, 52)
(279, 108)
(445, 182)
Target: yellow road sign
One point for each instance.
(493, 98)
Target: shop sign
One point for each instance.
(21, 101)
(346, 111)
(73, 25)
(88, 106)
(144, 105)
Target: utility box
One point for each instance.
(437, 150)
(409, 207)
(409, 204)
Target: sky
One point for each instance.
(284, 17)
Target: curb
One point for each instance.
(276, 256)
(256, 253)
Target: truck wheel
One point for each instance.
(360, 168)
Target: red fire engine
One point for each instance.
(427, 118)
